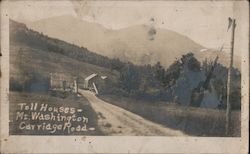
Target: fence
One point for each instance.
(63, 82)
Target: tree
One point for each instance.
(116, 64)
(129, 78)
(172, 73)
(159, 72)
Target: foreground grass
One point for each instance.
(57, 100)
(193, 121)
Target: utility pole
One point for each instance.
(228, 112)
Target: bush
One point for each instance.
(30, 82)
(15, 85)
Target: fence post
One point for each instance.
(76, 86)
(51, 81)
(64, 85)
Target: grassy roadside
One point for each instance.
(63, 104)
(193, 121)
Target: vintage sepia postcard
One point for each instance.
(125, 76)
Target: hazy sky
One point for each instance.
(205, 22)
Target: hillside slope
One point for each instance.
(29, 55)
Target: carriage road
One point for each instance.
(113, 120)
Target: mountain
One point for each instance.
(140, 44)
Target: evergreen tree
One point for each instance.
(129, 78)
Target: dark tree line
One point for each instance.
(154, 80)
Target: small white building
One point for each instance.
(95, 81)
(104, 77)
(88, 81)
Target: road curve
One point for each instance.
(113, 120)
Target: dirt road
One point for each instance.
(114, 120)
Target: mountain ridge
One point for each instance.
(139, 44)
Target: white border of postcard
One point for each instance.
(116, 144)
